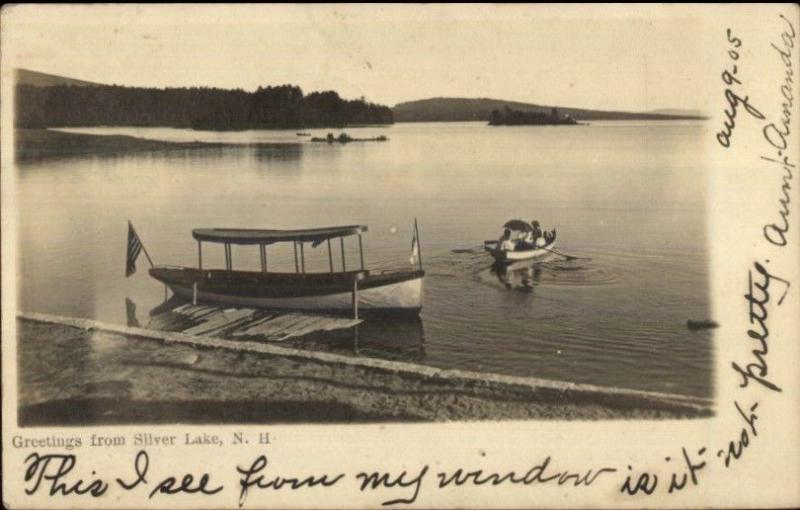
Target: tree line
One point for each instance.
(283, 106)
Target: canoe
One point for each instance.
(515, 255)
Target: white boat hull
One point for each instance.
(404, 295)
(513, 256)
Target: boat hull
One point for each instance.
(513, 256)
(386, 291)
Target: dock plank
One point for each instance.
(278, 332)
(278, 323)
(252, 325)
(246, 323)
(217, 320)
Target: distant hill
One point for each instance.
(455, 109)
(679, 112)
(37, 79)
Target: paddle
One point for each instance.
(568, 257)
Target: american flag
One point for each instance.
(134, 249)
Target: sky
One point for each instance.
(621, 58)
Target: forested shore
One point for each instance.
(284, 106)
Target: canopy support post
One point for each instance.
(330, 256)
(228, 264)
(344, 264)
(296, 266)
(361, 251)
(355, 298)
(263, 250)
(302, 258)
(200, 255)
(194, 294)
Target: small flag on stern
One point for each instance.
(414, 259)
(135, 247)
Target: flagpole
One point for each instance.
(141, 243)
(419, 244)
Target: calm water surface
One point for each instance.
(628, 200)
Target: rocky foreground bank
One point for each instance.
(76, 372)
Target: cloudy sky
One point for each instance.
(625, 58)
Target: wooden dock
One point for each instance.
(246, 323)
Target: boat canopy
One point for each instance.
(518, 225)
(255, 236)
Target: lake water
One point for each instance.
(628, 200)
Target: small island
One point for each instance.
(509, 117)
(345, 138)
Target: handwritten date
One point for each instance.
(732, 97)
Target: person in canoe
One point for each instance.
(539, 237)
(505, 243)
(536, 233)
(532, 237)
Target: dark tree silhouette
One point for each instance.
(283, 106)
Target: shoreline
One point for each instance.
(36, 144)
(267, 383)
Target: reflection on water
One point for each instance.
(278, 152)
(519, 277)
(551, 270)
(400, 338)
(170, 303)
(630, 204)
(397, 337)
(262, 152)
(130, 314)
(388, 336)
